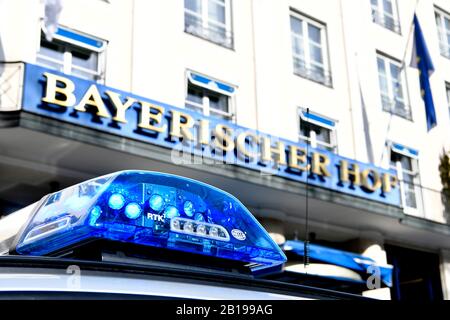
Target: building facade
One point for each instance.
(273, 80)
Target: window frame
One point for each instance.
(415, 184)
(387, 60)
(447, 91)
(205, 107)
(206, 22)
(66, 63)
(442, 15)
(312, 139)
(306, 41)
(381, 13)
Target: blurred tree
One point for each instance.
(444, 171)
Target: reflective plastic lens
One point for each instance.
(199, 217)
(201, 230)
(150, 209)
(171, 212)
(214, 232)
(188, 208)
(188, 227)
(77, 203)
(116, 201)
(133, 210)
(176, 224)
(156, 202)
(95, 214)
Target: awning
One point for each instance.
(330, 271)
(318, 120)
(340, 258)
(409, 152)
(208, 83)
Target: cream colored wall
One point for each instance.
(163, 52)
(364, 38)
(13, 28)
(280, 92)
(149, 52)
(21, 21)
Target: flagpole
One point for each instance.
(411, 29)
(408, 41)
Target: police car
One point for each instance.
(144, 235)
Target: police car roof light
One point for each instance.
(150, 209)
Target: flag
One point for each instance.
(53, 10)
(421, 59)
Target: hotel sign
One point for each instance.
(55, 95)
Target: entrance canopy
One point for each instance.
(365, 266)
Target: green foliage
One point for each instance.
(444, 171)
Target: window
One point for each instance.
(209, 19)
(309, 49)
(210, 97)
(447, 89)
(392, 87)
(385, 13)
(73, 54)
(317, 131)
(405, 161)
(443, 26)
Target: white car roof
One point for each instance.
(11, 224)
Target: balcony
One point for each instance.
(425, 203)
(445, 49)
(396, 107)
(314, 73)
(386, 21)
(214, 33)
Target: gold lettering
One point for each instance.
(180, 129)
(52, 89)
(223, 138)
(298, 156)
(147, 115)
(345, 173)
(204, 133)
(369, 185)
(93, 98)
(268, 151)
(241, 145)
(121, 108)
(389, 182)
(320, 163)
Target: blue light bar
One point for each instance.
(150, 209)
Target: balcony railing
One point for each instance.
(386, 21)
(316, 74)
(426, 203)
(79, 71)
(11, 83)
(445, 49)
(214, 33)
(396, 107)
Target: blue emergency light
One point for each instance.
(150, 209)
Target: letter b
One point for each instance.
(53, 89)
